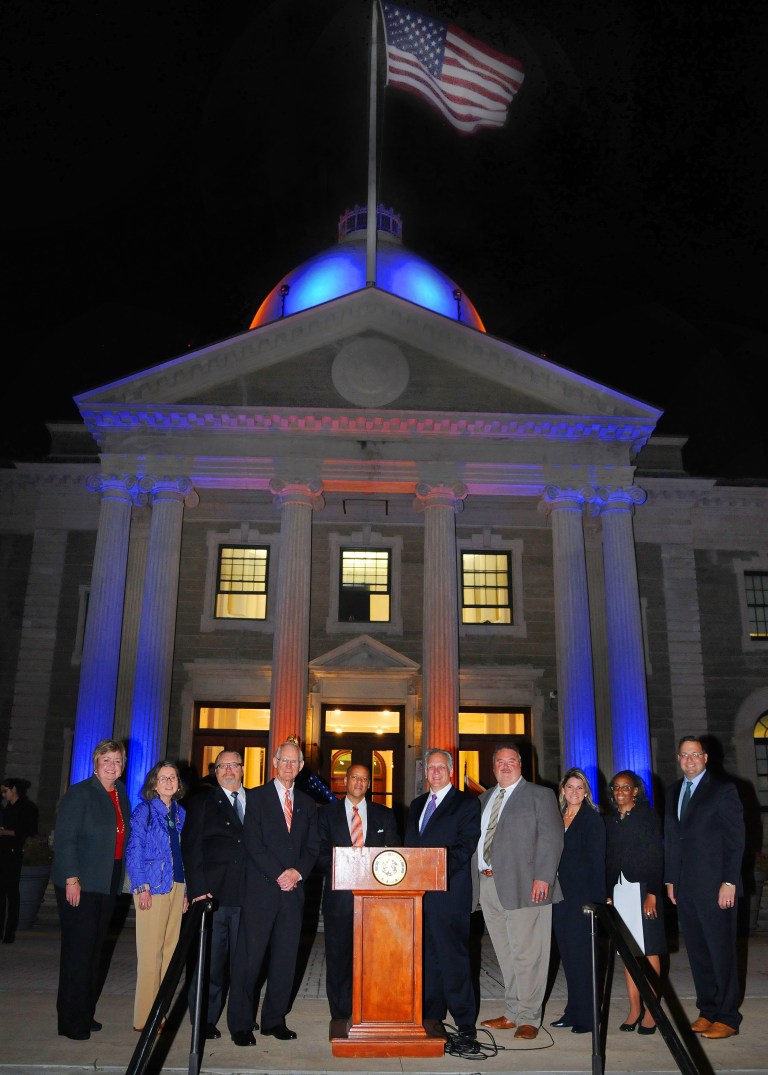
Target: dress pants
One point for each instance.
(574, 941)
(225, 930)
(522, 940)
(446, 964)
(338, 924)
(157, 934)
(10, 876)
(83, 932)
(710, 941)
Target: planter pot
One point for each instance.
(32, 886)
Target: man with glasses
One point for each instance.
(214, 866)
(282, 843)
(445, 817)
(704, 845)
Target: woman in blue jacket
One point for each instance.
(153, 861)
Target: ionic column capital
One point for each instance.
(163, 488)
(441, 495)
(566, 498)
(619, 498)
(123, 487)
(308, 492)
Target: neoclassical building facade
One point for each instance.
(375, 527)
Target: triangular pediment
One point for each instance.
(363, 654)
(367, 349)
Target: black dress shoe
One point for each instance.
(562, 1021)
(243, 1037)
(74, 1035)
(282, 1033)
(577, 1029)
(95, 1025)
(211, 1032)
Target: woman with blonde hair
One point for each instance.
(155, 867)
(582, 878)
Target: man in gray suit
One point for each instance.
(514, 873)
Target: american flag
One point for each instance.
(470, 83)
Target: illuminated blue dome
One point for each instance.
(342, 270)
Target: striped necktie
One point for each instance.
(357, 828)
(686, 798)
(236, 804)
(288, 809)
(492, 822)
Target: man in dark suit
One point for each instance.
(515, 882)
(350, 821)
(214, 866)
(445, 817)
(282, 844)
(703, 849)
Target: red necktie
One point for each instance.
(288, 810)
(357, 828)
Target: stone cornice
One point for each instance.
(105, 419)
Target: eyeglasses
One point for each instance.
(167, 779)
(230, 765)
(437, 768)
(694, 755)
(620, 787)
(287, 761)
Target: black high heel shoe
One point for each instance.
(631, 1026)
(646, 1029)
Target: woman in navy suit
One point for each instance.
(582, 878)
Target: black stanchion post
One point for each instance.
(195, 1047)
(597, 1059)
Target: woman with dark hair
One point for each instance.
(153, 860)
(635, 876)
(19, 820)
(582, 878)
(92, 829)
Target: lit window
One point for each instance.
(364, 586)
(485, 588)
(756, 587)
(241, 585)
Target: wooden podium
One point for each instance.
(388, 886)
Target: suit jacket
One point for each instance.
(707, 846)
(527, 847)
(84, 837)
(212, 847)
(635, 848)
(581, 872)
(455, 825)
(381, 831)
(271, 848)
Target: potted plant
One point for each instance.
(36, 859)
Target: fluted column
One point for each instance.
(296, 500)
(573, 639)
(626, 658)
(103, 625)
(440, 629)
(154, 654)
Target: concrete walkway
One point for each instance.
(29, 1042)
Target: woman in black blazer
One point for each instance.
(582, 878)
(635, 857)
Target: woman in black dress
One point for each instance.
(582, 878)
(635, 872)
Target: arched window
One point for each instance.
(761, 759)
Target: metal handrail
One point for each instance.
(197, 924)
(621, 938)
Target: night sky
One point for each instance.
(166, 164)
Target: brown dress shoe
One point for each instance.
(502, 1023)
(719, 1030)
(700, 1025)
(527, 1031)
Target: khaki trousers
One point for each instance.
(521, 940)
(157, 934)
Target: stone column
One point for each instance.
(573, 638)
(100, 663)
(290, 652)
(440, 697)
(154, 655)
(626, 658)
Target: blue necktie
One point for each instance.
(236, 804)
(686, 798)
(428, 812)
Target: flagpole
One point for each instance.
(370, 236)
